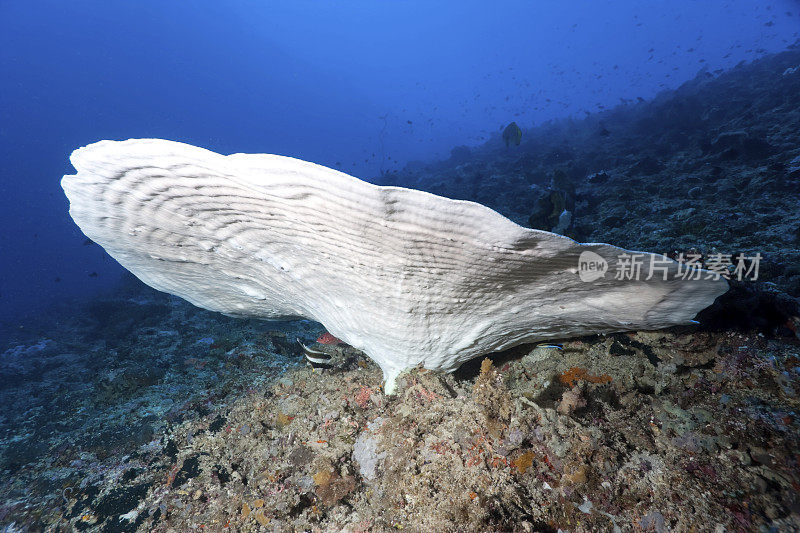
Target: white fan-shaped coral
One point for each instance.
(410, 278)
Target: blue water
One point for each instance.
(361, 86)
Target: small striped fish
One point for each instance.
(316, 358)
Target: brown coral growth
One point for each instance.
(576, 374)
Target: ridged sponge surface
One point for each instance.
(410, 278)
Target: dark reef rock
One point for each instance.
(460, 154)
(647, 165)
(740, 145)
(747, 307)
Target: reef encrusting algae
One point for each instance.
(644, 430)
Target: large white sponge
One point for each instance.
(410, 278)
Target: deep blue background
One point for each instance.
(331, 82)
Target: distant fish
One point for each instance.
(93, 275)
(88, 242)
(512, 134)
(316, 358)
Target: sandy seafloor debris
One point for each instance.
(672, 430)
